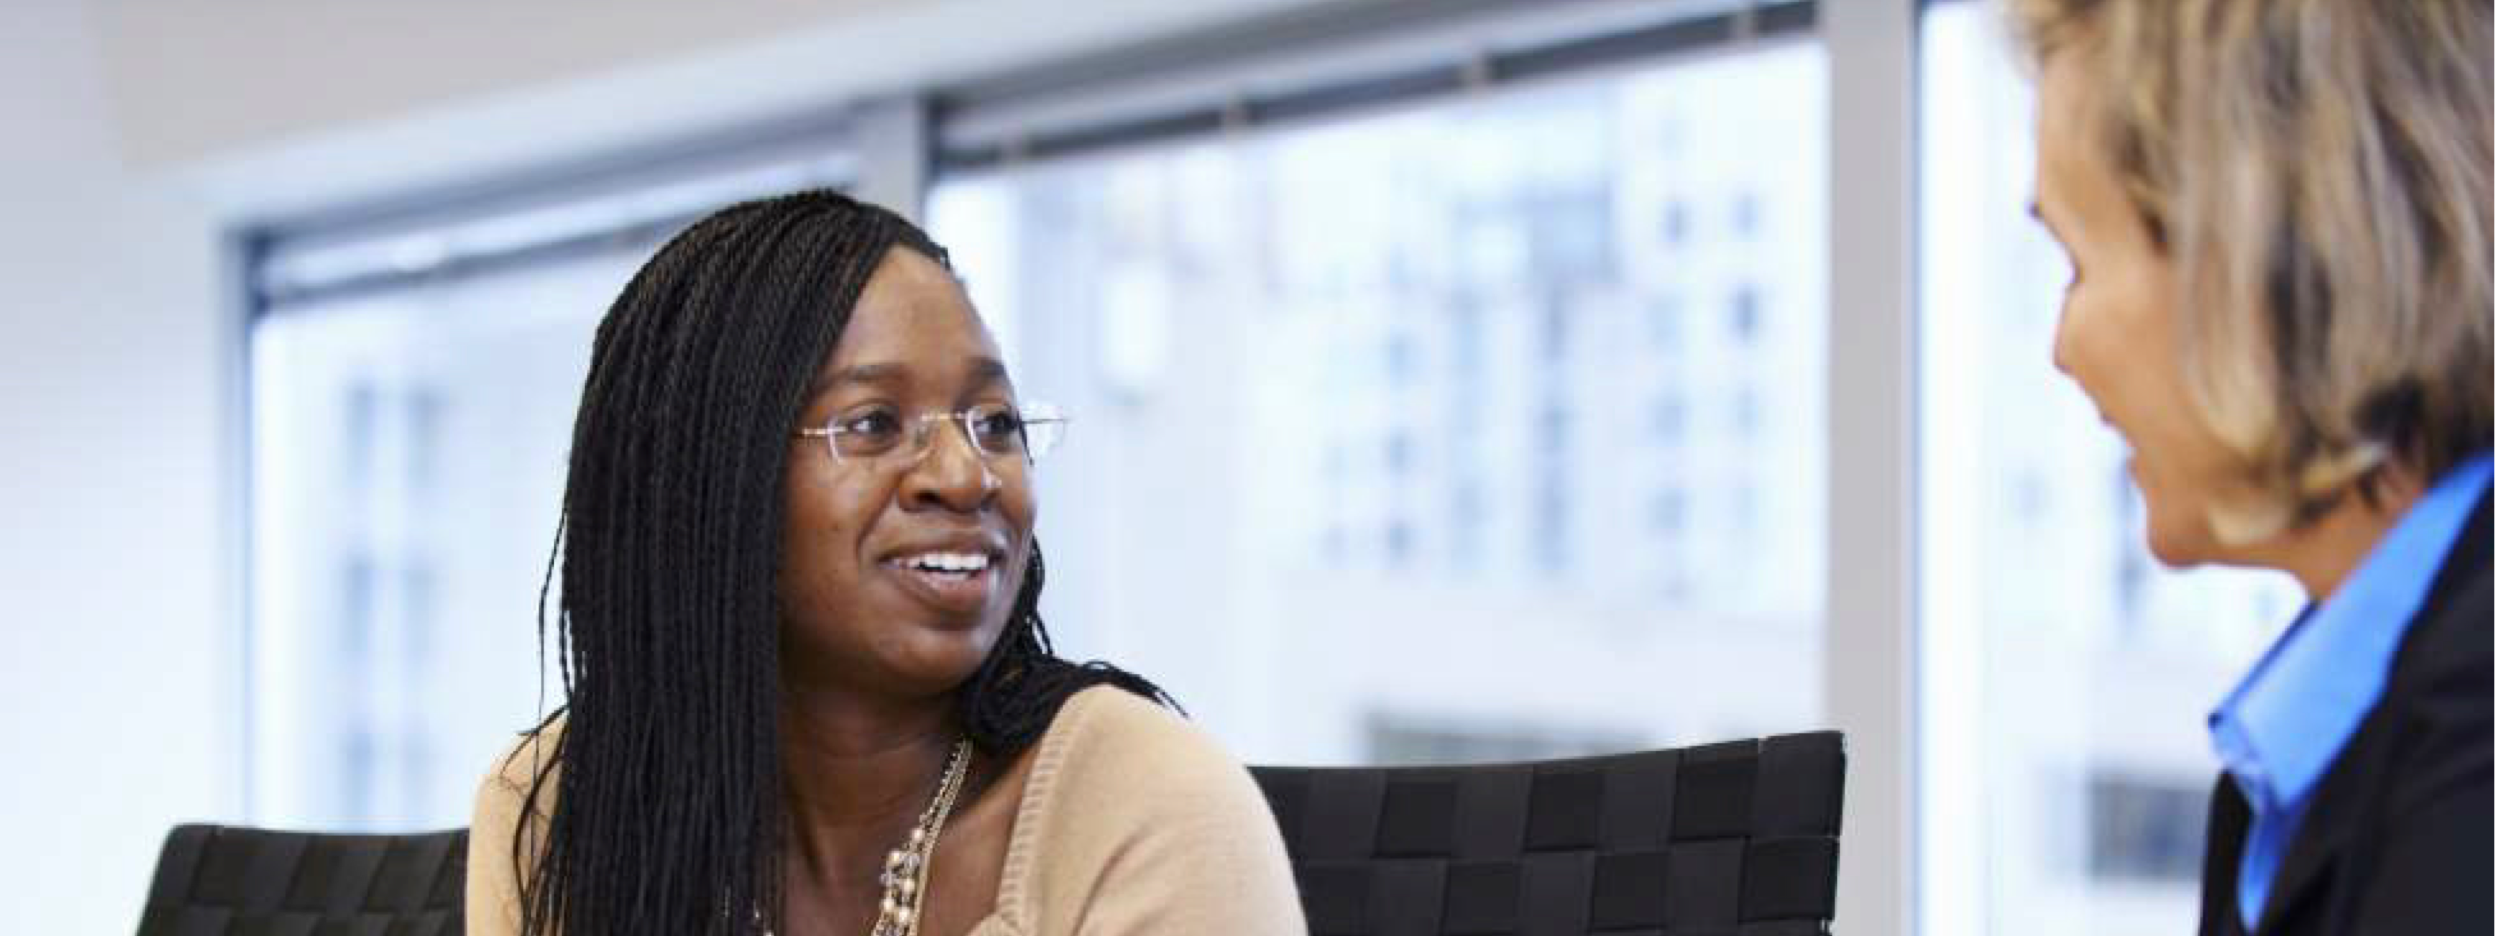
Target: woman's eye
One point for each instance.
(870, 425)
(997, 424)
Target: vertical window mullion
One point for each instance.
(1869, 669)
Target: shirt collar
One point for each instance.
(2279, 731)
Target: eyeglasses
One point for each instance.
(995, 431)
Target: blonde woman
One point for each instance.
(2277, 214)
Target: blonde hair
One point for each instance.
(2318, 172)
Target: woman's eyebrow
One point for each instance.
(858, 373)
(983, 369)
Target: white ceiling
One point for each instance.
(287, 105)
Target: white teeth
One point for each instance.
(950, 562)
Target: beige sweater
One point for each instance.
(1133, 822)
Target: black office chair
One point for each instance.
(1737, 839)
(226, 881)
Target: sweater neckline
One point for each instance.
(1011, 915)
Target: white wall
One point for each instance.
(117, 652)
(132, 133)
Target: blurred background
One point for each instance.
(1454, 380)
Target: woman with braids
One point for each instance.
(807, 687)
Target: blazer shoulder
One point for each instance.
(2453, 624)
(2448, 648)
(2421, 843)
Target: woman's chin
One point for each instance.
(940, 659)
(2179, 543)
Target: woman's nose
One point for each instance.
(950, 472)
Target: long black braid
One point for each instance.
(669, 814)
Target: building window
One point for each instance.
(1742, 314)
(1745, 221)
(2145, 830)
(1676, 223)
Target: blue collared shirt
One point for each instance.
(2280, 730)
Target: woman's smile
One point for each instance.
(957, 582)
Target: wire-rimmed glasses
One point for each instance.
(995, 430)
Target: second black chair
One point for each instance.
(1737, 839)
(229, 881)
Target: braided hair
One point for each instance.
(669, 818)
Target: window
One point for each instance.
(1745, 213)
(412, 399)
(2146, 831)
(2066, 769)
(1742, 313)
(1422, 367)
(408, 472)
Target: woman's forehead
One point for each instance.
(912, 329)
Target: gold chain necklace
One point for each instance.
(906, 867)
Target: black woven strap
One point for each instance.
(231, 881)
(1737, 838)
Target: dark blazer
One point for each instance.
(2396, 839)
